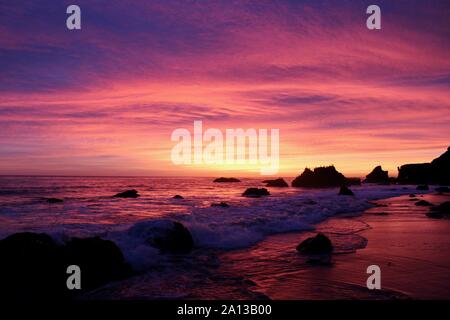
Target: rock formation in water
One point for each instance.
(279, 183)
(320, 244)
(345, 191)
(378, 175)
(34, 267)
(127, 194)
(166, 235)
(436, 172)
(223, 179)
(256, 192)
(321, 177)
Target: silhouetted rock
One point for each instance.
(381, 213)
(441, 168)
(222, 179)
(321, 177)
(412, 195)
(344, 191)
(128, 194)
(415, 173)
(33, 266)
(256, 192)
(100, 261)
(443, 208)
(30, 267)
(178, 197)
(379, 205)
(320, 260)
(377, 176)
(436, 172)
(280, 183)
(392, 180)
(353, 182)
(442, 189)
(423, 203)
(54, 200)
(221, 204)
(423, 187)
(434, 215)
(166, 235)
(320, 244)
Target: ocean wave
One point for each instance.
(243, 226)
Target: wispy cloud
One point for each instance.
(112, 93)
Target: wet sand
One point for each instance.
(410, 248)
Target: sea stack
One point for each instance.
(321, 177)
(256, 192)
(278, 183)
(345, 191)
(223, 179)
(378, 175)
(436, 172)
(128, 194)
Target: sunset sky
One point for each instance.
(104, 100)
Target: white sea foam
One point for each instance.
(243, 225)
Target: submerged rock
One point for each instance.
(434, 215)
(128, 194)
(320, 244)
(256, 192)
(423, 203)
(442, 189)
(440, 211)
(321, 177)
(377, 176)
(54, 200)
(223, 179)
(443, 208)
(279, 183)
(381, 213)
(221, 204)
(166, 235)
(345, 191)
(378, 205)
(178, 197)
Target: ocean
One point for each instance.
(89, 209)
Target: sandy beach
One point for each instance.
(410, 248)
